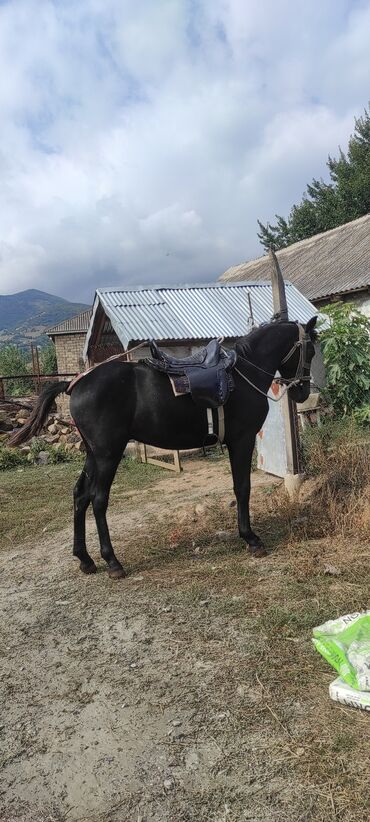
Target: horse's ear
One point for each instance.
(311, 324)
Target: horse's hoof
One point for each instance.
(116, 573)
(88, 569)
(259, 551)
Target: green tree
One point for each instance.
(48, 359)
(327, 205)
(345, 346)
(13, 361)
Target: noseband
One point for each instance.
(303, 368)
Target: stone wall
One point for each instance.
(69, 348)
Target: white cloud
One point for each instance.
(140, 142)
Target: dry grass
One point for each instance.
(338, 455)
(263, 696)
(251, 621)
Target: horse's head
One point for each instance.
(296, 364)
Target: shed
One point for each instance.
(181, 318)
(334, 265)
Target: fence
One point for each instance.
(17, 385)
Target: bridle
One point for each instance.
(303, 363)
(302, 372)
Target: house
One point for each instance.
(69, 339)
(331, 266)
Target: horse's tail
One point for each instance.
(38, 416)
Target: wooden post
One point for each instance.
(171, 466)
(288, 406)
(278, 287)
(36, 365)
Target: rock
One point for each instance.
(168, 784)
(191, 761)
(22, 420)
(182, 517)
(204, 602)
(64, 430)
(241, 690)
(224, 536)
(332, 571)
(200, 509)
(43, 458)
(53, 429)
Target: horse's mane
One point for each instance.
(245, 345)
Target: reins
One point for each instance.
(266, 394)
(289, 382)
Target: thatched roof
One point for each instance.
(333, 263)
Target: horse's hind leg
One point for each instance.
(105, 470)
(81, 496)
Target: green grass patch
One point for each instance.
(38, 499)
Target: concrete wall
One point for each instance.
(363, 303)
(361, 300)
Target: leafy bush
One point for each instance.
(362, 415)
(48, 359)
(337, 455)
(56, 455)
(61, 454)
(321, 444)
(345, 347)
(11, 458)
(13, 361)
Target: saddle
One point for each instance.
(206, 375)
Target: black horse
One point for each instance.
(119, 401)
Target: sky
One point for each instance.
(140, 141)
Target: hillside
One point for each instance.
(24, 317)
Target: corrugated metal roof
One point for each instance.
(335, 262)
(74, 325)
(192, 312)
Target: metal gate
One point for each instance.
(271, 440)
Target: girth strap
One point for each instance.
(220, 436)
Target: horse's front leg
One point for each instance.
(240, 453)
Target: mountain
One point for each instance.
(24, 317)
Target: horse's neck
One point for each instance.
(269, 348)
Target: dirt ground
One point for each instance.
(187, 692)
